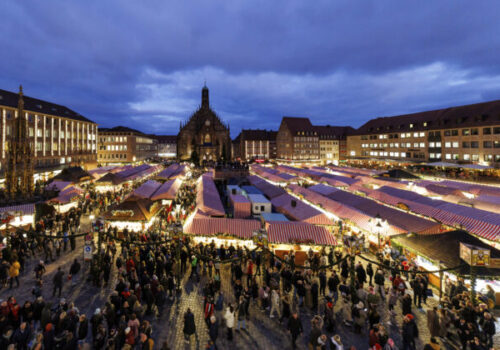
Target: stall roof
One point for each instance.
(207, 198)
(445, 248)
(266, 187)
(73, 174)
(238, 198)
(396, 218)
(257, 198)
(298, 232)
(301, 211)
(204, 225)
(268, 217)
(110, 178)
(24, 208)
(167, 191)
(147, 189)
(250, 190)
(58, 185)
(133, 210)
(480, 222)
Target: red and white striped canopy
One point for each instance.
(203, 225)
(292, 232)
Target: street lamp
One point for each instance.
(378, 228)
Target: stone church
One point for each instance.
(204, 137)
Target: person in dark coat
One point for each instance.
(83, 327)
(410, 332)
(314, 294)
(73, 271)
(406, 304)
(58, 281)
(189, 325)
(295, 328)
(322, 282)
(360, 274)
(369, 272)
(489, 329)
(21, 337)
(213, 330)
(48, 337)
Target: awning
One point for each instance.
(301, 233)
(203, 225)
(207, 197)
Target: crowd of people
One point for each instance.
(325, 302)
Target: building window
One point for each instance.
(475, 157)
(447, 144)
(487, 144)
(454, 132)
(465, 132)
(448, 156)
(496, 130)
(466, 144)
(455, 144)
(488, 157)
(496, 144)
(455, 156)
(486, 131)
(474, 131)
(466, 156)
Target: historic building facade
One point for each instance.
(125, 145)
(463, 134)
(254, 144)
(167, 145)
(57, 136)
(299, 140)
(204, 137)
(332, 143)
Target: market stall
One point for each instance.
(299, 211)
(207, 197)
(66, 199)
(17, 215)
(435, 252)
(135, 215)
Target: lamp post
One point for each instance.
(378, 228)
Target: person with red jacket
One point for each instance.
(209, 309)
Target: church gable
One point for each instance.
(205, 134)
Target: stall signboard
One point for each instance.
(87, 252)
(474, 256)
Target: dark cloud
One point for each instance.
(142, 64)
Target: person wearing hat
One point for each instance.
(409, 332)
(129, 336)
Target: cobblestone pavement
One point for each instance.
(262, 331)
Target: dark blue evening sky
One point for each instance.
(143, 63)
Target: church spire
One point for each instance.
(20, 101)
(204, 96)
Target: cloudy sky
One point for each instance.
(142, 64)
